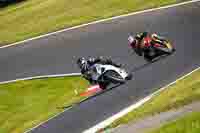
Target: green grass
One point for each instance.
(24, 104)
(188, 124)
(35, 17)
(181, 93)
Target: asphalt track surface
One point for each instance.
(57, 54)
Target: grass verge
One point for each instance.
(181, 93)
(187, 124)
(31, 18)
(25, 104)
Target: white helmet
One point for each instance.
(130, 39)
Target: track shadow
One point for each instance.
(149, 63)
(90, 97)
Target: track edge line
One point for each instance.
(100, 21)
(140, 102)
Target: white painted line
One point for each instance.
(100, 21)
(46, 120)
(111, 119)
(40, 77)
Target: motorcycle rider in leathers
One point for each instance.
(138, 43)
(85, 64)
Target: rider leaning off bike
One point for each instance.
(85, 64)
(138, 42)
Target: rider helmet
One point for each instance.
(101, 58)
(131, 39)
(81, 62)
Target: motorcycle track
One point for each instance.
(57, 54)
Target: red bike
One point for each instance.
(152, 48)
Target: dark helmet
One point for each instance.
(81, 61)
(101, 58)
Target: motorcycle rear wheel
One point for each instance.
(114, 77)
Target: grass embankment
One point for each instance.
(181, 93)
(187, 124)
(35, 17)
(25, 104)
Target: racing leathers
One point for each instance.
(139, 44)
(86, 64)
